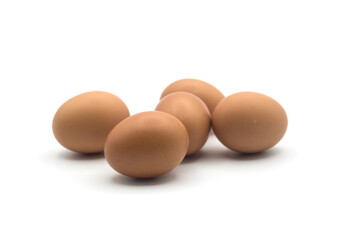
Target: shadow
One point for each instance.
(236, 156)
(75, 156)
(211, 133)
(129, 181)
(194, 157)
(225, 154)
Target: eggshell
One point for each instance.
(193, 113)
(146, 145)
(249, 122)
(82, 123)
(205, 91)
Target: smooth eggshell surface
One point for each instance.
(82, 123)
(249, 122)
(147, 145)
(205, 91)
(193, 113)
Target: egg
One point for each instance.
(249, 122)
(193, 113)
(147, 145)
(205, 91)
(82, 123)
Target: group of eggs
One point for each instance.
(150, 144)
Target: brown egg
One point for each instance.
(192, 112)
(249, 122)
(147, 145)
(82, 123)
(205, 91)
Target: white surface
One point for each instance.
(305, 54)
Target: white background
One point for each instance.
(305, 54)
